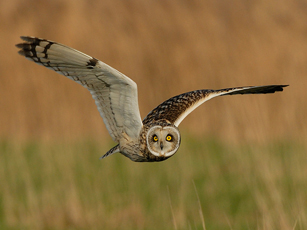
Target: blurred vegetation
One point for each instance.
(65, 186)
(241, 164)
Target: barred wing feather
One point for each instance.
(114, 93)
(177, 108)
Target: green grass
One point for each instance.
(66, 186)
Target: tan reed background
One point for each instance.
(166, 47)
(49, 179)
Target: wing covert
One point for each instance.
(177, 108)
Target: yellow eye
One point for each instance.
(168, 137)
(155, 138)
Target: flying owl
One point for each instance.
(157, 137)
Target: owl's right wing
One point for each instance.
(177, 108)
(114, 93)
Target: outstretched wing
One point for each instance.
(177, 108)
(114, 93)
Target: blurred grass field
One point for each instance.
(65, 186)
(242, 161)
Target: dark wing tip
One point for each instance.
(281, 87)
(28, 38)
(268, 89)
(27, 48)
(252, 90)
(277, 88)
(28, 41)
(20, 45)
(22, 52)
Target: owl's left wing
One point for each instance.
(177, 108)
(114, 93)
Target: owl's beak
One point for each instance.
(161, 146)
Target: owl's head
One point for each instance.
(163, 141)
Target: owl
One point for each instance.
(157, 137)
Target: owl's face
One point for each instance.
(163, 141)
